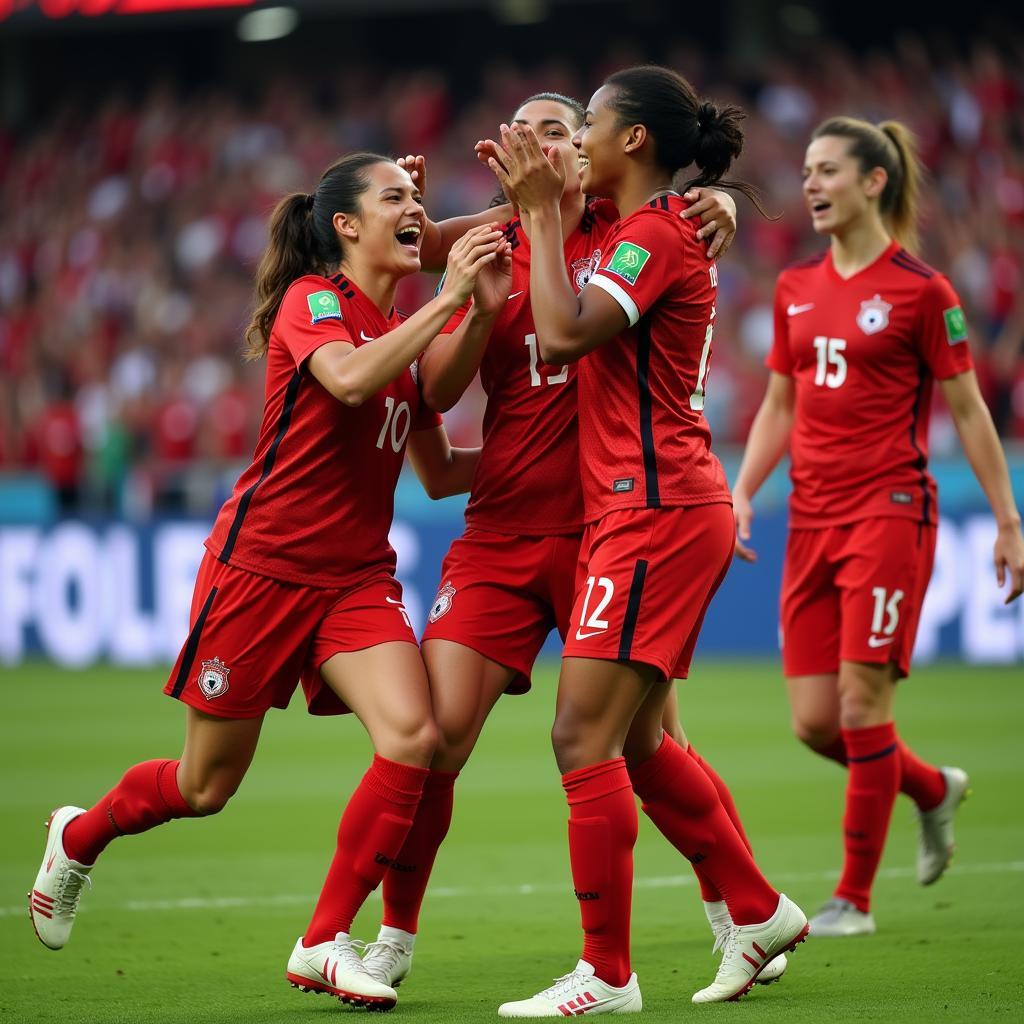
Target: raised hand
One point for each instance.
(469, 255)
(417, 168)
(494, 282)
(525, 170)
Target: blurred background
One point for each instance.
(144, 142)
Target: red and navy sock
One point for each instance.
(871, 788)
(683, 803)
(372, 830)
(922, 782)
(146, 796)
(406, 881)
(602, 834)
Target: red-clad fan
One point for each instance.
(862, 332)
(298, 576)
(510, 578)
(658, 537)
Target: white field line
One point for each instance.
(526, 889)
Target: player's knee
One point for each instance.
(455, 743)
(416, 745)
(210, 797)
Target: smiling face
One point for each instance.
(600, 143)
(836, 191)
(388, 228)
(554, 124)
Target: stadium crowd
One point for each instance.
(130, 229)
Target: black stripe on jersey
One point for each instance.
(905, 261)
(268, 464)
(188, 655)
(809, 261)
(636, 592)
(643, 365)
(663, 203)
(921, 463)
(342, 284)
(587, 220)
(512, 233)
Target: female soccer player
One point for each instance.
(298, 576)
(510, 578)
(861, 333)
(659, 526)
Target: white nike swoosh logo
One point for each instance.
(391, 600)
(587, 636)
(366, 337)
(880, 641)
(514, 295)
(792, 310)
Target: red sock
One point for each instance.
(146, 796)
(708, 892)
(922, 782)
(871, 788)
(406, 882)
(682, 802)
(372, 830)
(602, 833)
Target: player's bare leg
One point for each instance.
(386, 687)
(217, 754)
(464, 687)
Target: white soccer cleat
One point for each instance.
(935, 841)
(388, 960)
(721, 926)
(335, 968)
(750, 948)
(576, 994)
(840, 919)
(53, 901)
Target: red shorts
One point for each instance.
(251, 638)
(854, 593)
(647, 578)
(502, 594)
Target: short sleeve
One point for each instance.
(941, 330)
(780, 358)
(310, 316)
(644, 259)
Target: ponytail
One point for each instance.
(891, 146)
(288, 256)
(303, 240)
(683, 129)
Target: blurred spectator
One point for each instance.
(129, 236)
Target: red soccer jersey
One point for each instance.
(527, 480)
(316, 505)
(644, 441)
(863, 354)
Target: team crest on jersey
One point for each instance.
(443, 602)
(582, 270)
(213, 678)
(874, 315)
(414, 369)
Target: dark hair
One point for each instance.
(683, 128)
(579, 112)
(891, 146)
(303, 239)
(577, 108)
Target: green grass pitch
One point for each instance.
(194, 922)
